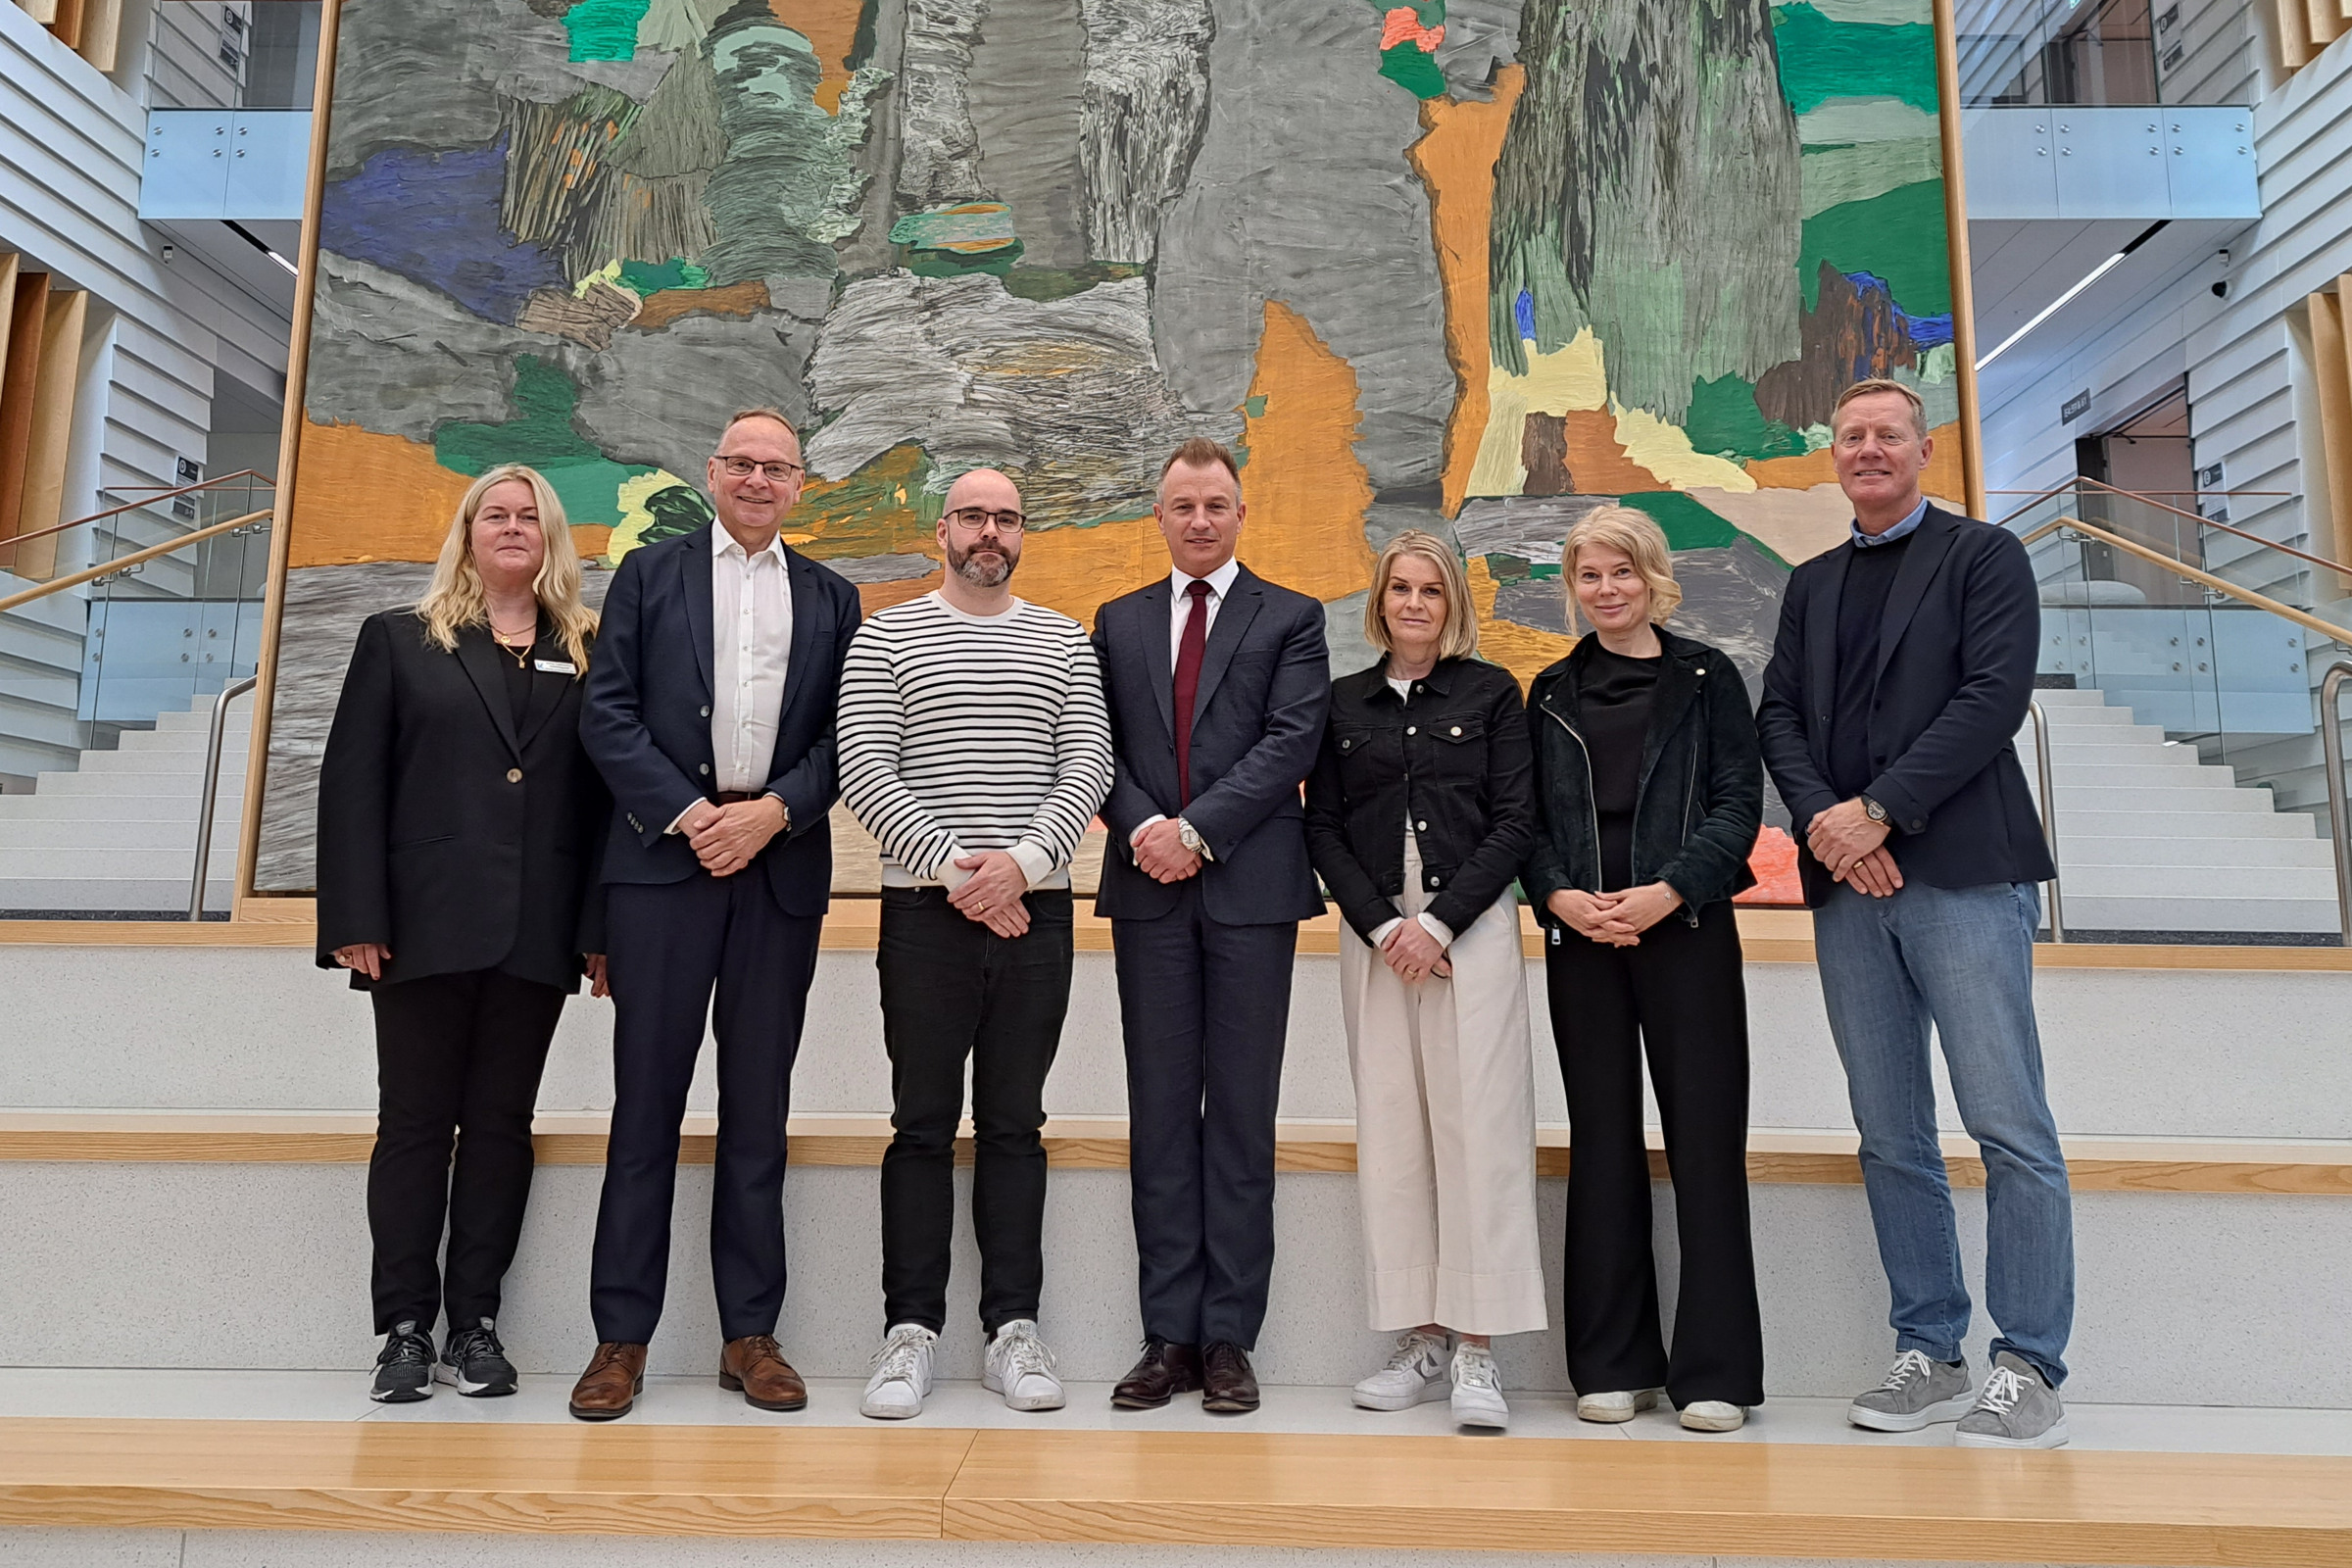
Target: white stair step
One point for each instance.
(2169, 798)
(2146, 881)
(2209, 818)
(190, 762)
(2277, 916)
(2137, 774)
(2081, 849)
(167, 897)
(187, 742)
(53, 806)
(2065, 752)
(119, 784)
(27, 835)
(106, 864)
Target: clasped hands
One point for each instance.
(727, 838)
(1160, 855)
(1614, 919)
(1413, 953)
(1845, 839)
(991, 894)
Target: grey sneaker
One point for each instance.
(2016, 1411)
(1416, 1371)
(1918, 1391)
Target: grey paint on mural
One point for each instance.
(1336, 227)
(1140, 114)
(1025, 118)
(939, 157)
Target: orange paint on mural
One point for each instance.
(1306, 488)
(1525, 651)
(360, 496)
(1597, 460)
(873, 596)
(667, 305)
(1944, 479)
(1455, 160)
(831, 27)
(1078, 570)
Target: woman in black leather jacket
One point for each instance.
(1650, 792)
(1418, 815)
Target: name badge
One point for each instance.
(555, 666)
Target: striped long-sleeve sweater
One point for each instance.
(962, 733)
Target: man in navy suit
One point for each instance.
(709, 712)
(1901, 672)
(1219, 683)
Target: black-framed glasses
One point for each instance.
(745, 468)
(972, 520)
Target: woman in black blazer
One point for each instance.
(459, 821)
(1650, 789)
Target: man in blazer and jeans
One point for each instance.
(710, 713)
(1899, 677)
(1219, 683)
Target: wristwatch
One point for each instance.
(1876, 811)
(1190, 837)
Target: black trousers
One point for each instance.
(954, 991)
(458, 1060)
(1206, 1010)
(1680, 994)
(671, 947)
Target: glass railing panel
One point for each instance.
(2033, 52)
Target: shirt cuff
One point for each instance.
(676, 821)
(1437, 928)
(1156, 817)
(950, 876)
(1380, 932)
(1035, 860)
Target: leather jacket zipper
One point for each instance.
(1593, 812)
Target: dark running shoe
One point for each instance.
(474, 1364)
(403, 1372)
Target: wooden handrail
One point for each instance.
(132, 560)
(2198, 519)
(136, 506)
(2245, 596)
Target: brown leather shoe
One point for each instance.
(1228, 1385)
(755, 1366)
(1166, 1371)
(609, 1389)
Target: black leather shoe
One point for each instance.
(1165, 1370)
(1229, 1387)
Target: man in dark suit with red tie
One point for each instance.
(1219, 683)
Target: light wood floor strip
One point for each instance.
(1768, 936)
(1238, 1487)
(1775, 1157)
(357, 1475)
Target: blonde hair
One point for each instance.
(1459, 639)
(1635, 535)
(1872, 388)
(456, 599)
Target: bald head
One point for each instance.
(984, 487)
(980, 530)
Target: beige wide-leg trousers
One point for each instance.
(1446, 1128)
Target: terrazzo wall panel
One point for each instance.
(1463, 265)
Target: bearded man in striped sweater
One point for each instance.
(975, 748)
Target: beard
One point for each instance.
(982, 566)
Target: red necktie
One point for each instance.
(1188, 680)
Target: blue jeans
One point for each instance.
(1962, 959)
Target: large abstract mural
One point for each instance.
(1471, 266)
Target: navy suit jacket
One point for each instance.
(1957, 649)
(646, 720)
(1257, 728)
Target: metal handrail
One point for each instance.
(140, 506)
(2049, 812)
(118, 564)
(2203, 522)
(2339, 830)
(212, 788)
(2245, 596)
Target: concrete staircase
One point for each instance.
(2151, 841)
(117, 834)
(41, 681)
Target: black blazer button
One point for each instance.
(513, 775)
(705, 710)
(706, 768)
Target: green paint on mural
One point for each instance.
(604, 30)
(651, 277)
(1044, 284)
(1724, 420)
(541, 434)
(1821, 60)
(1413, 68)
(1254, 406)
(1687, 524)
(1898, 236)
(958, 263)
(972, 228)
(885, 509)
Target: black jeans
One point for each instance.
(457, 1062)
(1680, 994)
(952, 990)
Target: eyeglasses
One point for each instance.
(745, 468)
(972, 520)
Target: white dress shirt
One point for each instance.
(750, 637)
(1180, 611)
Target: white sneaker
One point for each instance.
(1478, 1390)
(901, 1374)
(1415, 1374)
(1020, 1368)
(1617, 1407)
(1714, 1415)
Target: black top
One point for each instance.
(518, 676)
(456, 825)
(1869, 579)
(1615, 696)
(1450, 757)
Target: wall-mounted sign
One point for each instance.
(2075, 407)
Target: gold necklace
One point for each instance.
(523, 654)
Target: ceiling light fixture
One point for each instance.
(2060, 302)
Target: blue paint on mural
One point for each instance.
(1927, 332)
(433, 218)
